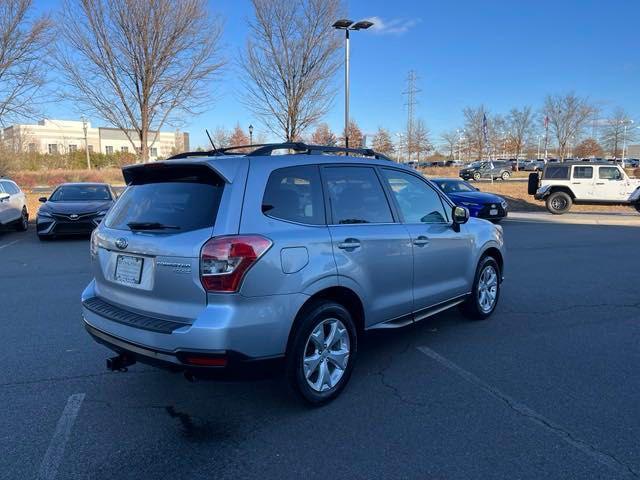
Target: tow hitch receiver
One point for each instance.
(119, 363)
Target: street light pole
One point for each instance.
(86, 142)
(347, 26)
(539, 138)
(250, 134)
(624, 141)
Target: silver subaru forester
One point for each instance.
(219, 264)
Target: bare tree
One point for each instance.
(421, 139)
(568, 115)
(289, 63)
(323, 136)
(23, 46)
(451, 140)
(474, 127)
(139, 64)
(519, 123)
(382, 142)
(220, 137)
(613, 131)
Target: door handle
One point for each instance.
(349, 244)
(421, 241)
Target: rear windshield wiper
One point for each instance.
(151, 226)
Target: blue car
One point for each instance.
(480, 204)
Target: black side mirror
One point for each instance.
(460, 215)
(42, 199)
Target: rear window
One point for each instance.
(170, 207)
(558, 172)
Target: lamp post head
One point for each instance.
(250, 129)
(362, 25)
(342, 24)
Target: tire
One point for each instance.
(477, 176)
(559, 203)
(22, 225)
(323, 383)
(478, 306)
(505, 176)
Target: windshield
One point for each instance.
(81, 193)
(167, 207)
(454, 186)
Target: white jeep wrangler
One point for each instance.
(563, 184)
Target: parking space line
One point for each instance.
(55, 452)
(604, 458)
(8, 244)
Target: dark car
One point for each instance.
(480, 204)
(492, 169)
(534, 166)
(74, 209)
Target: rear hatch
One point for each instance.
(146, 252)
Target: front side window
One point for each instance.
(418, 202)
(609, 173)
(583, 172)
(356, 196)
(295, 194)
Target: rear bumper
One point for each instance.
(237, 365)
(251, 328)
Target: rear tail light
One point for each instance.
(225, 260)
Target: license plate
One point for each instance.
(129, 269)
(493, 212)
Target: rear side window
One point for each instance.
(356, 196)
(295, 194)
(170, 207)
(558, 172)
(582, 172)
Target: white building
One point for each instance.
(64, 136)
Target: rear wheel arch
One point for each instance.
(341, 295)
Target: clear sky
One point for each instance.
(502, 53)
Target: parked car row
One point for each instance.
(72, 208)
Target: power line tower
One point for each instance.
(411, 102)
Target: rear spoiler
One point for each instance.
(200, 172)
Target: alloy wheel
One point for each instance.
(487, 288)
(326, 355)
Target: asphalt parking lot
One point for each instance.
(549, 387)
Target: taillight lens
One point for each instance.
(225, 260)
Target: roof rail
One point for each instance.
(266, 149)
(300, 147)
